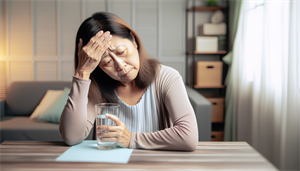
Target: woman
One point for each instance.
(112, 65)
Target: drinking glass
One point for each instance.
(101, 119)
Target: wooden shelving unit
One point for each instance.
(217, 127)
(221, 52)
(206, 87)
(197, 86)
(206, 8)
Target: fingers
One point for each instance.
(109, 140)
(110, 128)
(100, 50)
(100, 45)
(90, 54)
(79, 45)
(119, 134)
(98, 39)
(95, 48)
(110, 48)
(107, 134)
(94, 41)
(111, 136)
(115, 119)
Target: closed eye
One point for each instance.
(120, 53)
(107, 62)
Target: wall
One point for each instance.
(37, 37)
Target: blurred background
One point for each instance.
(256, 43)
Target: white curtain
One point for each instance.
(265, 80)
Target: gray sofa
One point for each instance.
(21, 100)
(23, 97)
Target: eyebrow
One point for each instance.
(111, 49)
(106, 54)
(115, 49)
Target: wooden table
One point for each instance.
(40, 155)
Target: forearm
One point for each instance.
(182, 136)
(74, 123)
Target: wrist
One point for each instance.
(82, 75)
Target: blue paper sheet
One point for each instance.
(87, 151)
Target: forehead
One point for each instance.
(117, 41)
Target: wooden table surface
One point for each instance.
(40, 155)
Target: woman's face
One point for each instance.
(122, 63)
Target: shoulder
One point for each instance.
(166, 77)
(167, 72)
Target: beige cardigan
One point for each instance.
(178, 125)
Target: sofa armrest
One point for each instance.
(2, 108)
(202, 108)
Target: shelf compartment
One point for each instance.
(197, 86)
(208, 73)
(221, 52)
(206, 8)
(217, 109)
(217, 135)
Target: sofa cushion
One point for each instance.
(50, 97)
(53, 113)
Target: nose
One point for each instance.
(120, 64)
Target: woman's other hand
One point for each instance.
(119, 133)
(90, 55)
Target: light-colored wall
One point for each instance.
(37, 36)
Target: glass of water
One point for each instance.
(101, 119)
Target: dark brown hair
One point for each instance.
(102, 86)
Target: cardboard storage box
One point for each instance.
(214, 29)
(206, 44)
(217, 135)
(208, 74)
(217, 109)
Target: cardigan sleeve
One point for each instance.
(78, 115)
(183, 135)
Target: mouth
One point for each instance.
(127, 74)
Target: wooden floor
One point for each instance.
(40, 156)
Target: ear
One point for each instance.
(133, 38)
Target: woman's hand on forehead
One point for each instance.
(90, 55)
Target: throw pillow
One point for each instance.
(52, 114)
(50, 97)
